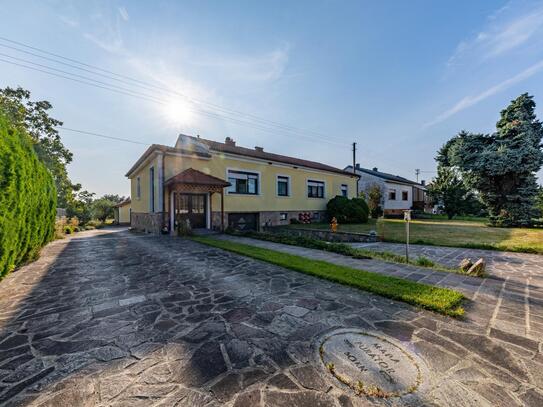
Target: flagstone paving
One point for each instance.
(111, 318)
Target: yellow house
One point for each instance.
(122, 212)
(213, 185)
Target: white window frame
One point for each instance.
(308, 180)
(258, 173)
(395, 194)
(281, 216)
(405, 192)
(289, 186)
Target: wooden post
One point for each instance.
(222, 209)
(211, 210)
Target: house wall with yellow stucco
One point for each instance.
(267, 201)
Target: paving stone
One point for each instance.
(309, 377)
(488, 350)
(254, 376)
(299, 399)
(239, 353)
(206, 364)
(191, 312)
(496, 394)
(227, 387)
(283, 382)
(295, 311)
(248, 399)
(532, 398)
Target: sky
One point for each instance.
(304, 78)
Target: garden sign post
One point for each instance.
(407, 218)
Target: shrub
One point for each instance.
(68, 230)
(27, 199)
(347, 210)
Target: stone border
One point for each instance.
(324, 234)
(372, 391)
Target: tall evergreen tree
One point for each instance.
(502, 166)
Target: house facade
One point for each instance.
(214, 185)
(122, 212)
(397, 193)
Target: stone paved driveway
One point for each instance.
(116, 319)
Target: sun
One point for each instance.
(178, 113)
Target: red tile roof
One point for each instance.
(195, 177)
(231, 148)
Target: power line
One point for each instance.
(90, 133)
(128, 92)
(148, 85)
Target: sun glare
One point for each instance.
(178, 113)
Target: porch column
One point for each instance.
(208, 210)
(211, 210)
(222, 209)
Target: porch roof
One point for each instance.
(194, 177)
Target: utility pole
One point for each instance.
(354, 167)
(417, 172)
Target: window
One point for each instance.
(243, 182)
(391, 194)
(344, 190)
(315, 189)
(405, 196)
(283, 186)
(138, 188)
(152, 189)
(283, 216)
(316, 216)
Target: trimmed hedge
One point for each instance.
(347, 210)
(27, 199)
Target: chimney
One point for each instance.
(259, 149)
(375, 169)
(422, 182)
(357, 166)
(229, 142)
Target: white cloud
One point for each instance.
(504, 32)
(124, 13)
(469, 101)
(267, 66)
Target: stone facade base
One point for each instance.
(268, 218)
(147, 222)
(326, 235)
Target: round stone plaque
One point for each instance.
(370, 364)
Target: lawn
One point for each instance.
(437, 299)
(456, 233)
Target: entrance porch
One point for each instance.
(190, 199)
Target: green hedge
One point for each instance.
(347, 210)
(27, 199)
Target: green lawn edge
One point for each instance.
(346, 250)
(442, 300)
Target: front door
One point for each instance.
(191, 207)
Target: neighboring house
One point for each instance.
(122, 212)
(398, 193)
(214, 185)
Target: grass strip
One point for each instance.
(347, 250)
(442, 300)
